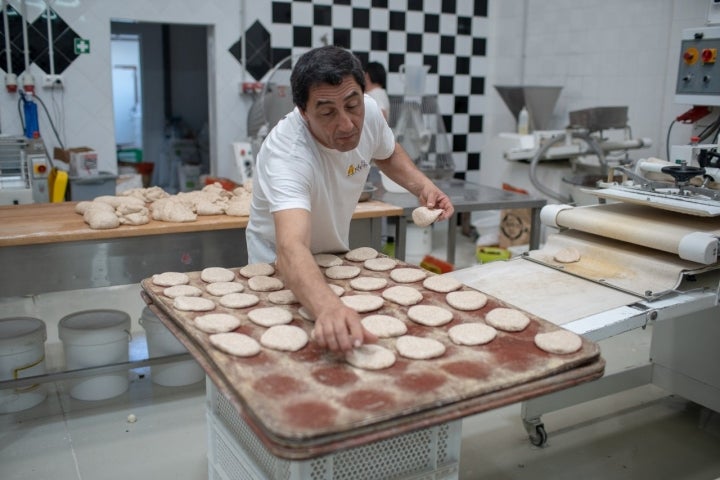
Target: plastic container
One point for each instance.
(160, 343)
(94, 338)
(89, 188)
(523, 122)
(22, 354)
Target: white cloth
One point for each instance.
(293, 170)
(381, 97)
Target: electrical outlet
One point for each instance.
(53, 81)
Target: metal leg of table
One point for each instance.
(400, 237)
(452, 235)
(535, 229)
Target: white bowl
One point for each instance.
(391, 186)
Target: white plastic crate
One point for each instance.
(235, 453)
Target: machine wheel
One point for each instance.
(539, 438)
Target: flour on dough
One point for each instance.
(327, 260)
(424, 216)
(255, 269)
(217, 274)
(370, 357)
(408, 275)
(403, 295)
(239, 300)
(466, 300)
(384, 326)
(342, 272)
(441, 283)
(193, 304)
(169, 279)
(363, 303)
(430, 315)
(270, 316)
(223, 288)
(507, 319)
(472, 334)
(567, 255)
(361, 254)
(284, 337)
(217, 322)
(380, 264)
(560, 341)
(182, 291)
(237, 344)
(419, 348)
(368, 283)
(262, 283)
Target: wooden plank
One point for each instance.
(57, 222)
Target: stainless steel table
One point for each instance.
(466, 197)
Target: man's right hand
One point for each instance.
(340, 329)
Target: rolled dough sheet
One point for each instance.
(637, 224)
(542, 291)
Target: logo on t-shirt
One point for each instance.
(353, 169)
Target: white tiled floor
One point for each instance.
(641, 433)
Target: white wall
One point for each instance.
(86, 101)
(609, 53)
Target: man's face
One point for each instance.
(335, 114)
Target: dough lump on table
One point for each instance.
(182, 291)
(380, 264)
(239, 300)
(327, 260)
(169, 279)
(284, 337)
(430, 315)
(263, 283)
(368, 283)
(237, 344)
(363, 303)
(408, 275)
(217, 274)
(419, 348)
(217, 322)
(384, 326)
(403, 295)
(220, 289)
(282, 297)
(193, 304)
(472, 334)
(507, 319)
(370, 357)
(441, 284)
(342, 272)
(567, 255)
(361, 254)
(255, 269)
(466, 300)
(270, 316)
(560, 342)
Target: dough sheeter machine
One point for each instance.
(647, 256)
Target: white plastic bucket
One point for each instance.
(161, 342)
(94, 338)
(22, 354)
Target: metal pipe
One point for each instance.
(51, 50)
(533, 170)
(6, 24)
(26, 49)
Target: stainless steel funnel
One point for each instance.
(539, 101)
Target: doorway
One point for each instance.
(161, 102)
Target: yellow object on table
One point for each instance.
(57, 185)
(492, 254)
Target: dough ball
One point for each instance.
(560, 342)
(368, 283)
(169, 279)
(430, 315)
(408, 275)
(370, 357)
(284, 337)
(327, 260)
(507, 319)
(423, 216)
(567, 255)
(466, 300)
(441, 283)
(361, 254)
(472, 334)
(419, 348)
(237, 344)
(380, 264)
(384, 326)
(255, 269)
(403, 295)
(217, 274)
(363, 303)
(270, 316)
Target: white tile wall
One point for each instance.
(614, 52)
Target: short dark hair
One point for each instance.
(376, 72)
(329, 65)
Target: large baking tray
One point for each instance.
(309, 403)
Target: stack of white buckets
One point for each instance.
(90, 338)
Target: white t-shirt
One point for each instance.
(382, 99)
(293, 170)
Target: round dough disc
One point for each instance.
(182, 291)
(419, 348)
(363, 303)
(284, 337)
(403, 295)
(384, 326)
(217, 274)
(170, 279)
(408, 275)
(217, 322)
(424, 216)
(255, 269)
(282, 297)
(239, 300)
(224, 288)
(507, 319)
(342, 272)
(430, 315)
(193, 304)
(361, 254)
(441, 283)
(370, 357)
(368, 283)
(270, 316)
(559, 341)
(263, 283)
(380, 264)
(567, 255)
(327, 260)
(237, 344)
(472, 334)
(466, 300)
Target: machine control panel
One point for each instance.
(698, 80)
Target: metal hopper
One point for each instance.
(539, 101)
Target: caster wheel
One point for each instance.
(539, 438)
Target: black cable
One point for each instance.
(667, 141)
(50, 121)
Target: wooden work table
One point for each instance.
(48, 247)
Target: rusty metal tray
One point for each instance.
(310, 402)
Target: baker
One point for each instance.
(310, 172)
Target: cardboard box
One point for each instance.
(64, 155)
(83, 161)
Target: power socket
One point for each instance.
(53, 81)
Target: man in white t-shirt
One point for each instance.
(310, 172)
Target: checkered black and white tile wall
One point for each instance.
(449, 36)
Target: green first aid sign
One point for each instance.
(82, 45)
